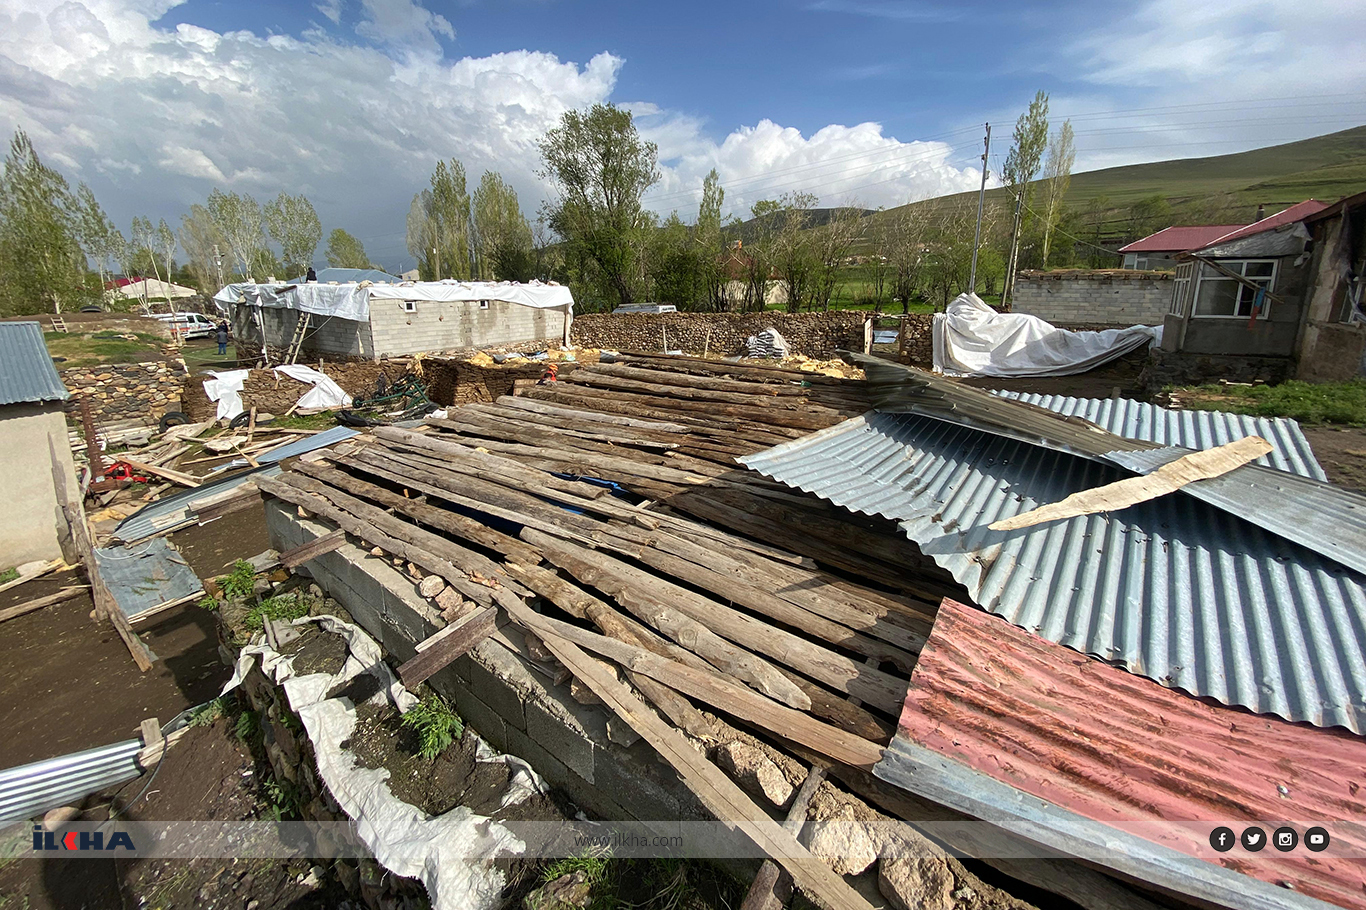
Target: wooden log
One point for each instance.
(714, 449)
(685, 363)
(364, 530)
(244, 497)
(621, 580)
(722, 797)
(577, 429)
(761, 396)
(553, 411)
(808, 417)
(772, 888)
(185, 480)
(632, 406)
(40, 603)
(634, 594)
(444, 519)
(439, 650)
(694, 381)
(53, 566)
(715, 690)
(318, 546)
(477, 566)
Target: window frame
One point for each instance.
(1181, 286)
(410, 306)
(1209, 273)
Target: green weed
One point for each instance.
(283, 607)
(437, 726)
(208, 602)
(240, 581)
(206, 714)
(248, 726)
(8, 575)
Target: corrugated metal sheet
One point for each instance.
(144, 577)
(1173, 589)
(1151, 765)
(1192, 429)
(328, 437)
(26, 370)
(27, 790)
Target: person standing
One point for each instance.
(222, 337)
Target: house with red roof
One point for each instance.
(1159, 251)
(1243, 293)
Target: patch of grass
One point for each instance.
(8, 575)
(1310, 403)
(206, 714)
(104, 347)
(283, 607)
(437, 726)
(248, 726)
(320, 421)
(240, 581)
(208, 602)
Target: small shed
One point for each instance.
(33, 448)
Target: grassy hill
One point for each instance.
(1325, 168)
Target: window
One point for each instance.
(1181, 288)
(410, 306)
(1219, 296)
(483, 304)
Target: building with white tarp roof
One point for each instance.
(376, 319)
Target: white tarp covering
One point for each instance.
(972, 339)
(531, 293)
(451, 853)
(325, 394)
(344, 301)
(224, 388)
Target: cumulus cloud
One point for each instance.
(154, 117)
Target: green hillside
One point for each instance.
(1325, 168)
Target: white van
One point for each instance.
(190, 325)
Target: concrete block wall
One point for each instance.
(496, 690)
(327, 335)
(1110, 297)
(460, 325)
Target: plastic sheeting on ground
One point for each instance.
(972, 339)
(450, 853)
(225, 390)
(325, 393)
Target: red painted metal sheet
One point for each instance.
(1123, 750)
(1180, 238)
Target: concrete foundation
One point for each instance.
(498, 690)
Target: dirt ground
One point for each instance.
(1342, 452)
(68, 683)
(207, 775)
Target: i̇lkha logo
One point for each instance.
(80, 840)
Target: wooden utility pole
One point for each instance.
(981, 199)
(1009, 287)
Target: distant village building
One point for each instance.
(33, 448)
(146, 289)
(1159, 251)
(365, 320)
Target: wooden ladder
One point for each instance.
(59, 324)
(297, 342)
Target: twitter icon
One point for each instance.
(1254, 839)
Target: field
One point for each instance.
(1340, 403)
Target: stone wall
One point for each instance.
(128, 391)
(275, 393)
(1168, 368)
(1108, 297)
(816, 335)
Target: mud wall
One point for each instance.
(816, 335)
(275, 393)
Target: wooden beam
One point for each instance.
(39, 603)
(717, 792)
(316, 547)
(771, 889)
(185, 480)
(440, 649)
(55, 565)
(1112, 497)
(163, 607)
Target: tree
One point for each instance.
(98, 236)
(293, 223)
(40, 254)
(502, 233)
(675, 267)
(710, 245)
(237, 219)
(204, 247)
(1057, 175)
(345, 251)
(600, 167)
(904, 247)
(831, 242)
(439, 225)
(1021, 167)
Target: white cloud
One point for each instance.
(155, 117)
(843, 165)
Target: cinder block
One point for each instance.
(494, 679)
(563, 735)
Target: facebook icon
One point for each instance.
(1221, 839)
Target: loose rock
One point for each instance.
(754, 771)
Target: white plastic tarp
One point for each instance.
(531, 293)
(344, 301)
(972, 339)
(224, 388)
(451, 853)
(325, 394)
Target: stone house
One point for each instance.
(33, 448)
(1332, 336)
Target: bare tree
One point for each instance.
(831, 242)
(904, 234)
(1057, 175)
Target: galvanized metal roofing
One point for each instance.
(1173, 589)
(1192, 429)
(26, 370)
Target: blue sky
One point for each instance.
(154, 102)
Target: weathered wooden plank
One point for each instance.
(316, 547)
(448, 644)
(716, 791)
(40, 603)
